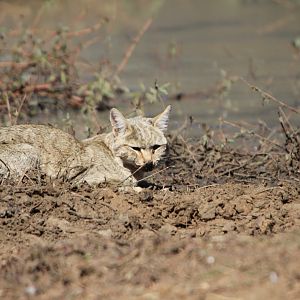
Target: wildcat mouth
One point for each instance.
(148, 167)
(137, 168)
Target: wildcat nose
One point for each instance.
(147, 156)
(149, 166)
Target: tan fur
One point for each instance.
(114, 157)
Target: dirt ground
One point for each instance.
(215, 231)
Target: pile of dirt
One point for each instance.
(151, 266)
(58, 242)
(201, 231)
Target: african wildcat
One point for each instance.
(134, 145)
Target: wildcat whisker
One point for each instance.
(131, 175)
(151, 175)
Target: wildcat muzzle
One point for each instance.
(148, 166)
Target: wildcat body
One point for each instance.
(135, 145)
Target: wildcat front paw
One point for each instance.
(130, 189)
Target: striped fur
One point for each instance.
(134, 144)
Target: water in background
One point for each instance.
(190, 44)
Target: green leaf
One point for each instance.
(63, 77)
(163, 91)
(153, 91)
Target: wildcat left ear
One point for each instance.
(161, 121)
(118, 121)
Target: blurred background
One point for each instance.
(67, 62)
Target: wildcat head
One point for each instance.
(139, 142)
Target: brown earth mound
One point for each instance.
(217, 224)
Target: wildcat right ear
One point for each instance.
(161, 121)
(118, 121)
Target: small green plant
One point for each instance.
(41, 72)
(152, 95)
(97, 90)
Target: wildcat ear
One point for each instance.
(161, 121)
(118, 122)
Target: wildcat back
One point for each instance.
(133, 146)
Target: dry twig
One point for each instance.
(266, 95)
(253, 133)
(132, 46)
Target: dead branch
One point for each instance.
(87, 30)
(287, 127)
(253, 133)
(16, 65)
(266, 95)
(132, 46)
(175, 133)
(70, 34)
(238, 167)
(8, 108)
(215, 90)
(18, 110)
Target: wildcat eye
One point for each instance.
(135, 148)
(155, 147)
